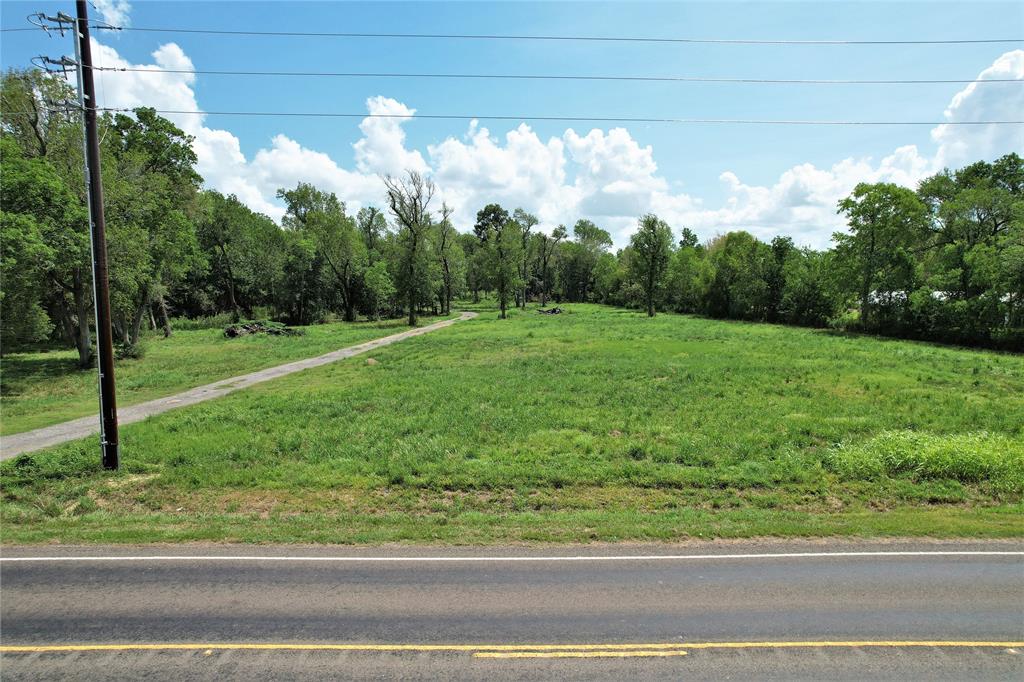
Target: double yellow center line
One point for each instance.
(655, 649)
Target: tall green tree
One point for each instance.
(578, 259)
(502, 236)
(450, 258)
(886, 221)
(807, 298)
(341, 245)
(305, 281)
(526, 222)
(977, 220)
(53, 228)
(24, 260)
(379, 287)
(373, 225)
(409, 199)
(782, 248)
(738, 286)
(151, 229)
(42, 180)
(244, 251)
(652, 249)
(546, 248)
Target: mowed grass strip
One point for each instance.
(597, 424)
(42, 388)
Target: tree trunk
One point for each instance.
(446, 304)
(165, 319)
(865, 300)
(136, 329)
(67, 325)
(152, 318)
(235, 314)
(412, 306)
(82, 341)
(350, 312)
(650, 295)
(350, 305)
(544, 284)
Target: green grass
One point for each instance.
(598, 424)
(43, 388)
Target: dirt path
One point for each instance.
(15, 444)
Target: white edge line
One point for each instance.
(480, 559)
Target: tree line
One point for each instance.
(944, 262)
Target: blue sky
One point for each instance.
(690, 159)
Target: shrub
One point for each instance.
(979, 457)
(130, 351)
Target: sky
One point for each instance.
(713, 178)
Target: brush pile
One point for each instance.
(233, 331)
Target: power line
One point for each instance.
(619, 39)
(593, 119)
(508, 76)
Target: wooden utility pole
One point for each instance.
(98, 241)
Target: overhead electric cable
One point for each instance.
(621, 39)
(596, 119)
(508, 76)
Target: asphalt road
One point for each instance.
(752, 610)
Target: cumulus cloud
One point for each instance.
(604, 175)
(525, 171)
(802, 203)
(115, 12)
(382, 149)
(962, 144)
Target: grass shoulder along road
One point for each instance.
(46, 387)
(597, 424)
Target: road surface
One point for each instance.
(770, 610)
(37, 439)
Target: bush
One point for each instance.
(129, 351)
(980, 457)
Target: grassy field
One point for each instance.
(598, 424)
(42, 388)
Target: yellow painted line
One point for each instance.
(656, 646)
(576, 654)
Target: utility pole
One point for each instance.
(98, 241)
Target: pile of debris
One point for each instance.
(550, 311)
(233, 331)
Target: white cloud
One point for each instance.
(114, 12)
(606, 176)
(382, 149)
(525, 172)
(963, 144)
(802, 203)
